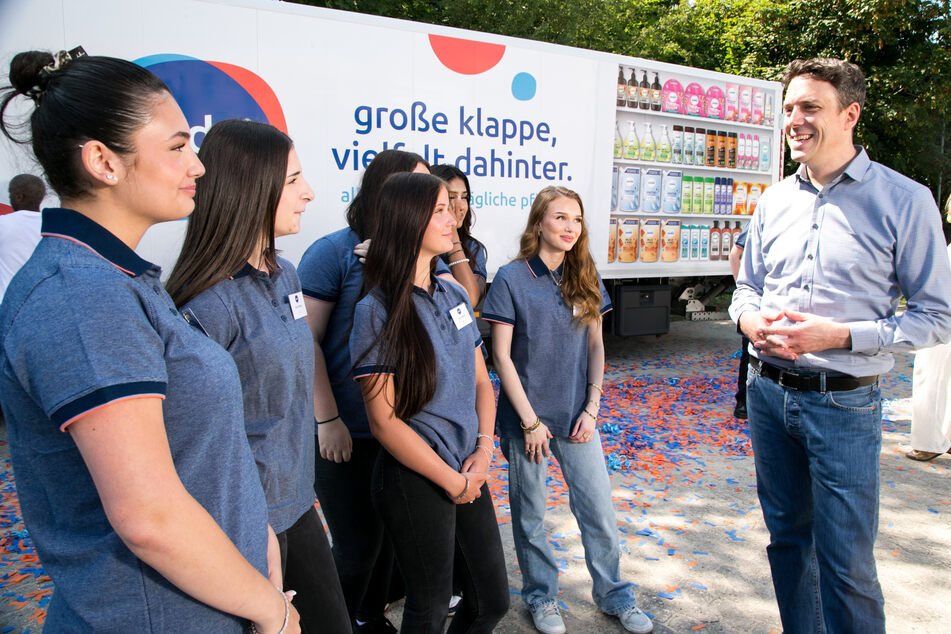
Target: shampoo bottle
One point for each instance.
(726, 241)
(715, 241)
(644, 92)
(621, 87)
(656, 94)
(632, 92)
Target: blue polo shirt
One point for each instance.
(549, 349)
(478, 257)
(85, 323)
(250, 316)
(330, 272)
(448, 422)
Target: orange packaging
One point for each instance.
(670, 241)
(650, 240)
(627, 240)
(756, 190)
(721, 149)
(740, 194)
(612, 239)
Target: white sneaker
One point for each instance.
(547, 619)
(636, 621)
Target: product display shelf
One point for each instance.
(695, 121)
(668, 216)
(680, 268)
(727, 171)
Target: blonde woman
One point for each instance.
(545, 308)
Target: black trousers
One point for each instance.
(361, 551)
(741, 375)
(309, 569)
(431, 535)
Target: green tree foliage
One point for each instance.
(904, 47)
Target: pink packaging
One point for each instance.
(745, 103)
(714, 102)
(673, 96)
(757, 106)
(693, 100)
(732, 102)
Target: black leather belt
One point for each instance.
(811, 382)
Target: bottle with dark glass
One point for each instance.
(621, 87)
(656, 94)
(632, 92)
(644, 92)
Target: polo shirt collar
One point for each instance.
(75, 227)
(247, 270)
(437, 286)
(538, 267)
(856, 169)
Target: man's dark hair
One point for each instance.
(847, 78)
(26, 192)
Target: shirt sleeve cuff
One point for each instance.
(104, 396)
(864, 337)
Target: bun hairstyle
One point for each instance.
(78, 98)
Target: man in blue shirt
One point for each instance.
(829, 252)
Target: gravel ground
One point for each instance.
(692, 534)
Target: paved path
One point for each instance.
(691, 530)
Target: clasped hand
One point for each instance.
(809, 333)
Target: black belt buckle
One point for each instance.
(779, 379)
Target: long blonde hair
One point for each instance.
(579, 285)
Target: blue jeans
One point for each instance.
(589, 497)
(817, 475)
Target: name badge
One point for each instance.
(298, 309)
(460, 316)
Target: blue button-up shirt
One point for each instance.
(549, 348)
(448, 422)
(848, 252)
(250, 316)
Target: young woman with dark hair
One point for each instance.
(148, 514)
(332, 275)
(545, 308)
(466, 249)
(417, 357)
(231, 284)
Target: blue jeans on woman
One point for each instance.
(817, 477)
(589, 497)
(431, 535)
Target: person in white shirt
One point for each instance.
(20, 231)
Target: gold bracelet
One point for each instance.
(594, 417)
(597, 387)
(534, 426)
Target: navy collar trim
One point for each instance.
(437, 285)
(539, 268)
(247, 270)
(75, 227)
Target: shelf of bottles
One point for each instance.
(689, 163)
